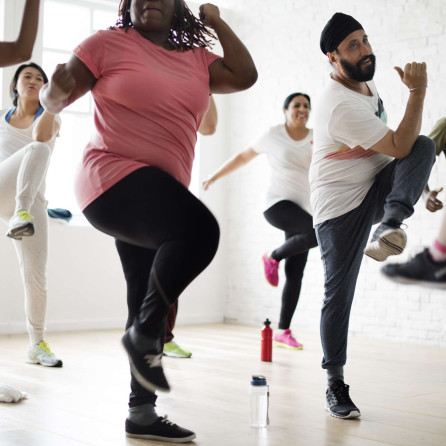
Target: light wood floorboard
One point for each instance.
(399, 388)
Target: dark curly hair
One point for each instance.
(186, 32)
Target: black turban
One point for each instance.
(336, 30)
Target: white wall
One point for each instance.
(283, 38)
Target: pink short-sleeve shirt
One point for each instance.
(149, 103)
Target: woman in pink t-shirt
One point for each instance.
(150, 77)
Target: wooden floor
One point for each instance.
(399, 388)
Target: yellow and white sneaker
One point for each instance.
(173, 350)
(42, 354)
(20, 225)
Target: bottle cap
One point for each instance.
(267, 322)
(258, 380)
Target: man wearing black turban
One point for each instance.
(361, 173)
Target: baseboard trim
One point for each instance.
(103, 324)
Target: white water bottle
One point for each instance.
(258, 402)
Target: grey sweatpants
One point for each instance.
(22, 186)
(342, 241)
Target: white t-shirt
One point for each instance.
(13, 139)
(289, 162)
(343, 170)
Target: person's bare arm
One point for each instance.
(12, 53)
(209, 123)
(46, 128)
(236, 70)
(231, 165)
(399, 143)
(69, 82)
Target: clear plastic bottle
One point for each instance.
(258, 402)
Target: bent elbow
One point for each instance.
(208, 130)
(23, 54)
(247, 80)
(251, 78)
(26, 55)
(42, 137)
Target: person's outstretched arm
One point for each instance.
(12, 53)
(231, 165)
(236, 70)
(438, 136)
(46, 128)
(209, 123)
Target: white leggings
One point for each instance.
(22, 186)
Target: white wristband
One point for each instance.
(416, 88)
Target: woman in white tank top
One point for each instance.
(27, 138)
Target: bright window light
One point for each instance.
(66, 24)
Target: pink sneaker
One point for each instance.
(286, 340)
(271, 270)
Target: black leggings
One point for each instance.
(165, 238)
(300, 238)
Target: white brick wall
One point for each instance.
(283, 37)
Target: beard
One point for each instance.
(359, 73)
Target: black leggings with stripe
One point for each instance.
(165, 238)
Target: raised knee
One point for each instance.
(213, 233)
(39, 148)
(426, 146)
(208, 235)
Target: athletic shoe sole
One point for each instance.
(352, 414)
(158, 438)
(289, 347)
(409, 281)
(391, 242)
(176, 355)
(59, 363)
(22, 231)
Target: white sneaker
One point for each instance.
(41, 354)
(20, 225)
(386, 241)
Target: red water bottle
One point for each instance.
(266, 346)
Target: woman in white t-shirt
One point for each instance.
(27, 137)
(289, 149)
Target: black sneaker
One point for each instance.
(145, 363)
(162, 430)
(421, 269)
(339, 403)
(387, 241)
